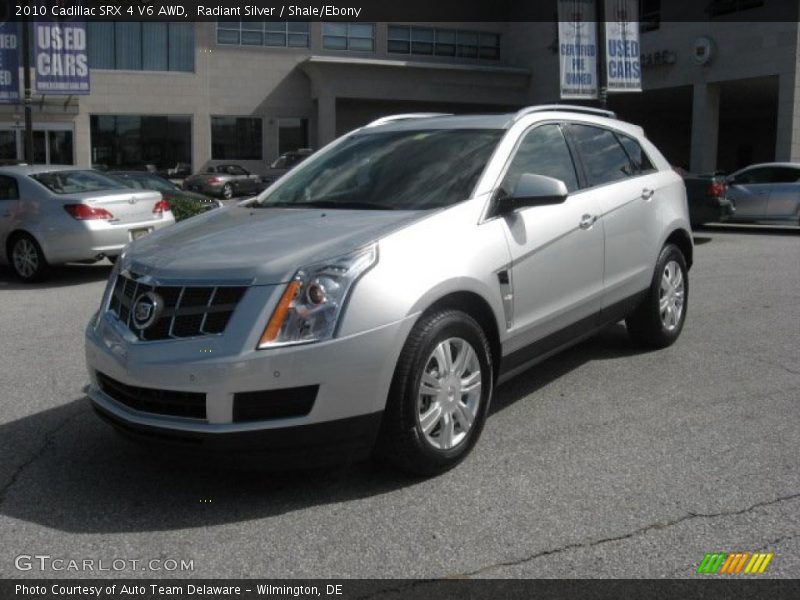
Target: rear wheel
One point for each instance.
(439, 396)
(658, 320)
(227, 191)
(27, 259)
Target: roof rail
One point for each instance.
(403, 117)
(566, 108)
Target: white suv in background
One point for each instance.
(371, 299)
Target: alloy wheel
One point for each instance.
(25, 257)
(671, 296)
(449, 393)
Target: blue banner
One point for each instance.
(61, 59)
(9, 63)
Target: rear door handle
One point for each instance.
(587, 221)
(647, 194)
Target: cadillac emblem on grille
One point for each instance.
(147, 309)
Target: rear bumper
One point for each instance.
(319, 444)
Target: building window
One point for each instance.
(140, 142)
(292, 135)
(649, 15)
(279, 34)
(137, 46)
(717, 8)
(357, 37)
(236, 138)
(428, 41)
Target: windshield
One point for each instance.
(74, 182)
(405, 170)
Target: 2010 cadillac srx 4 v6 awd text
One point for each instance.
(369, 301)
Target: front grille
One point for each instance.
(274, 404)
(160, 402)
(188, 311)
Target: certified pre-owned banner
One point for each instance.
(9, 63)
(623, 68)
(62, 57)
(577, 48)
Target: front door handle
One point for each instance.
(587, 221)
(647, 194)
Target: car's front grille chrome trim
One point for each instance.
(187, 311)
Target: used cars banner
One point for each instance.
(577, 48)
(62, 58)
(623, 68)
(9, 63)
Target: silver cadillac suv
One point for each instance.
(369, 301)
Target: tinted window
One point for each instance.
(639, 160)
(8, 188)
(602, 154)
(784, 175)
(543, 151)
(234, 170)
(760, 175)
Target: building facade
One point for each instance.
(717, 95)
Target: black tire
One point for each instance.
(645, 324)
(227, 191)
(23, 243)
(401, 441)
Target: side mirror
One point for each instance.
(533, 190)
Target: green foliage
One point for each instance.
(183, 208)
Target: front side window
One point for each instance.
(76, 182)
(236, 138)
(357, 37)
(784, 175)
(400, 170)
(602, 155)
(543, 151)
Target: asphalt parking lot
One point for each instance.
(603, 461)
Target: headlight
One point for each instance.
(309, 308)
(112, 280)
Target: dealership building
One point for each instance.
(717, 94)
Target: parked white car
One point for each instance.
(371, 299)
(56, 214)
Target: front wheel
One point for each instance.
(27, 258)
(439, 396)
(659, 319)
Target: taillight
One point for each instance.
(84, 212)
(160, 207)
(716, 189)
(213, 180)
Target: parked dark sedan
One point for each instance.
(224, 181)
(183, 203)
(706, 195)
(284, 163)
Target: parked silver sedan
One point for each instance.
(224, 181)
(766, 192)
(54, 214)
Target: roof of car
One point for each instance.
(34, 169)
(791, 165)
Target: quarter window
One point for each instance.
(602, 155)
(543, 151)
(639, 161)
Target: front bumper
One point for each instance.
(353, 375)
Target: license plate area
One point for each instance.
(138, 232)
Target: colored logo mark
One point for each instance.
(734, 563)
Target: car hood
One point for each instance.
(260, 246)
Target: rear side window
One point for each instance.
(543, 151)
(639, 161)
(8, 188)
(759, 175)
(602, 155)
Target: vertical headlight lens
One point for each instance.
(312, 302)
